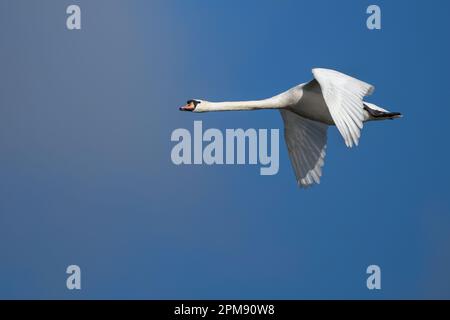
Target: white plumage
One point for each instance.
(331, 98)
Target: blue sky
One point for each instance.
(86, 176)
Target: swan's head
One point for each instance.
(191, 105)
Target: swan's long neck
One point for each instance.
(271, 103)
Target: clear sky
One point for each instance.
(86, 176)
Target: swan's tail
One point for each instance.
(377, 113)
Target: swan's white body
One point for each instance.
(331, 98)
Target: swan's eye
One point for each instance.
(194, 102)
(190, 105)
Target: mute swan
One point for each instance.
(331, 98)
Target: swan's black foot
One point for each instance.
(380, 114)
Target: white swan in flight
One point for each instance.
(331, 98)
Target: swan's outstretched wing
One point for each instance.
(343, 96)
(306, 142)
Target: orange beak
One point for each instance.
(188, 107)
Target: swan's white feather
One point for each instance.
(375, 107)
(306, 141)
(344, 98)
(331, 98)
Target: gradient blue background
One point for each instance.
(86, 176)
